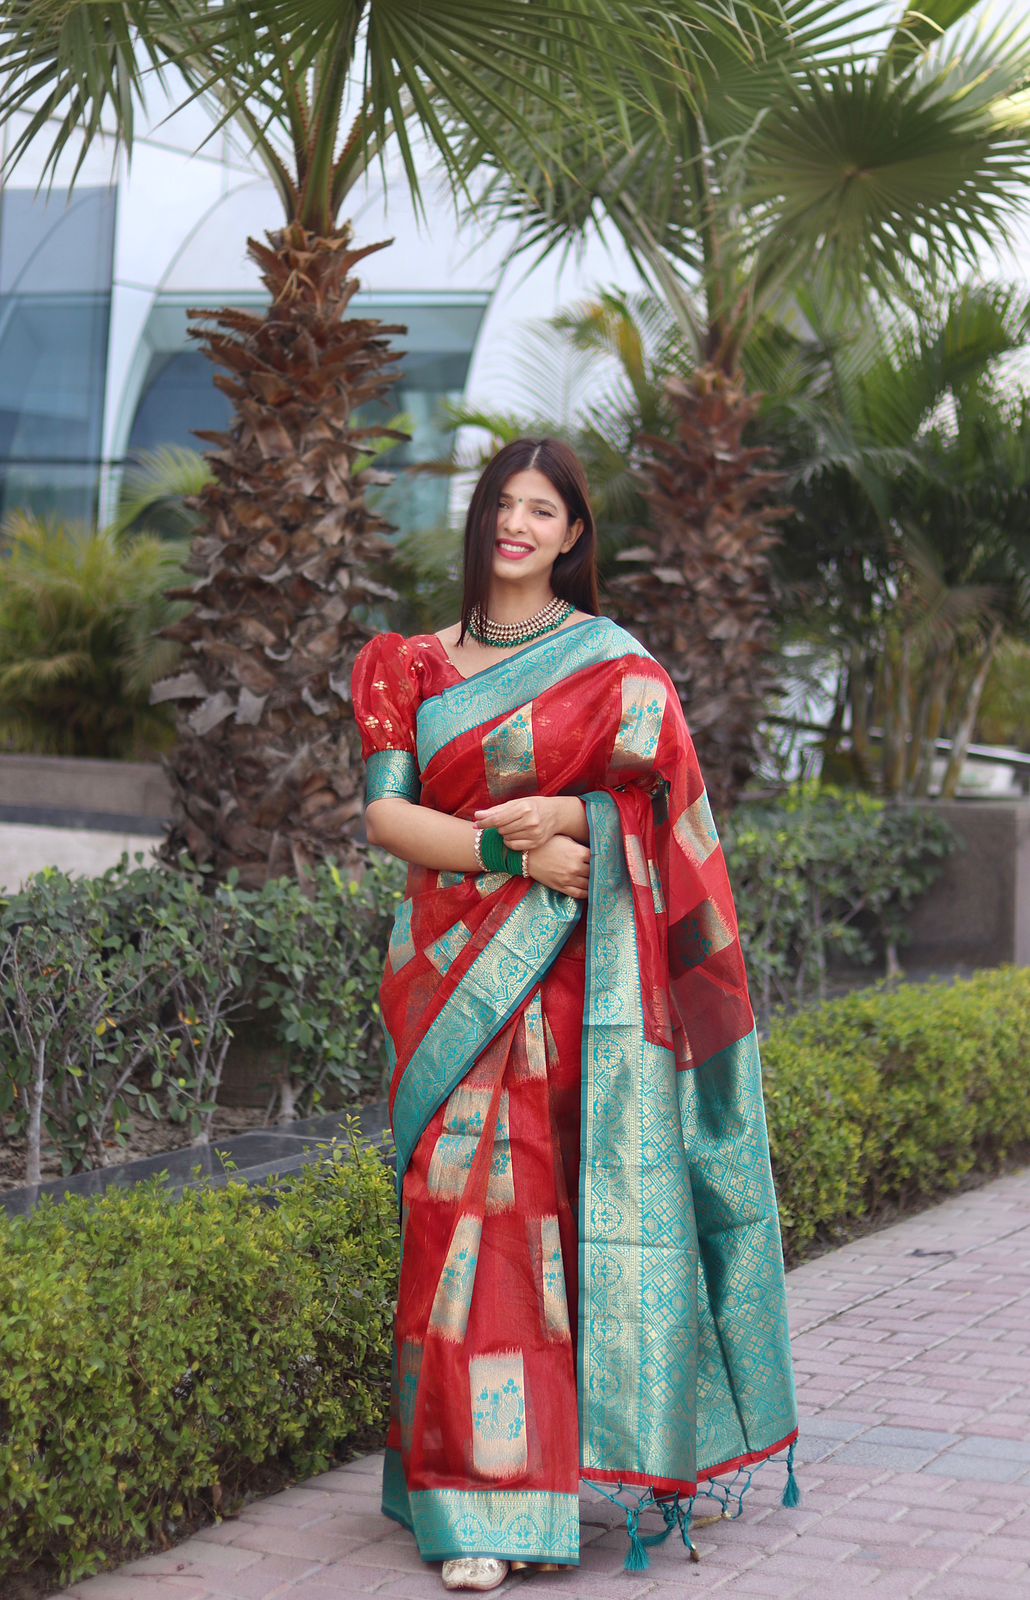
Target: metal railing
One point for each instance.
(989, 754)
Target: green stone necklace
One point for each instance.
(504, 635)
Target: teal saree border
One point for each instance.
(745, 1370)
(395, 1491)
(638, 1248)
(519, 679)
(498, 981)
(520, 1524)
(392, 773)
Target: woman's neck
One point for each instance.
(510, 602)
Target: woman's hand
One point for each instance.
(527, 823)
(561, 864)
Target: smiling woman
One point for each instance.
(592, 1277)
(531, 540)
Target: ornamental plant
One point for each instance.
(823, 875)
(164, 1360)
(119, 995)
(888, 1097)
(265, 775)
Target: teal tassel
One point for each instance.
(684, 1521)
(791, 1494)
(637, 1559)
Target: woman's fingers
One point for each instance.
(501, 816)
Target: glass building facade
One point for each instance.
(96, 282)
(56, 258)
(59, 385)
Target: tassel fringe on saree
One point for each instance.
(592, 1281)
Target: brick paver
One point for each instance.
(912, 1349)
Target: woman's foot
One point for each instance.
(536, 1566)
(474, 1572)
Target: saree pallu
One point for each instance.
(592, 1279)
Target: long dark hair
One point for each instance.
(574, 575)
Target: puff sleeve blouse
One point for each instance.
(386, 696)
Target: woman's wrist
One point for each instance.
(495, 856)
(572, 817)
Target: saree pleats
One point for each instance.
(485, 1424)
(592, 1275)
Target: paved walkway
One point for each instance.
(913, 1359)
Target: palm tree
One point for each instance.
(265, 773)
(907, 551)
(880, 168)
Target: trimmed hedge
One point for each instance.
(161, 1357)
(891, 1096)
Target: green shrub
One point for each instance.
(160, 1357)
(821, 872)
(118, 993)
(80, 610)
(156, 966)
(892, 1095)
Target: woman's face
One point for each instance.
(533, 528)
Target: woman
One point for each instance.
(592, 1275)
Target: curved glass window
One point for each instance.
(55, 300)
(178, 394)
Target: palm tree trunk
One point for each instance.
(858, 693)
(704, 598)
(964, 732)
(936, 700)
(921, 687)
(895, 769)
(887, 684)
(266, 775)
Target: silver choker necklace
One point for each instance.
(503, 635)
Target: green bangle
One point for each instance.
(496, 855)
(492, 850)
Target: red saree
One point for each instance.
(592, 1275)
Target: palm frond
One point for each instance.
(156, 485)
(77, 69)
(872, 168)
(80, 611)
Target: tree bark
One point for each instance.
(703, 597)
(266, 774)
(34, 1131)
(936, 702)
(858, 693)
(967, 722)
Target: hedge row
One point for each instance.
(119, 994)
(162, 1357)
(157, 1356)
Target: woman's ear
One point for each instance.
(575, 529)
